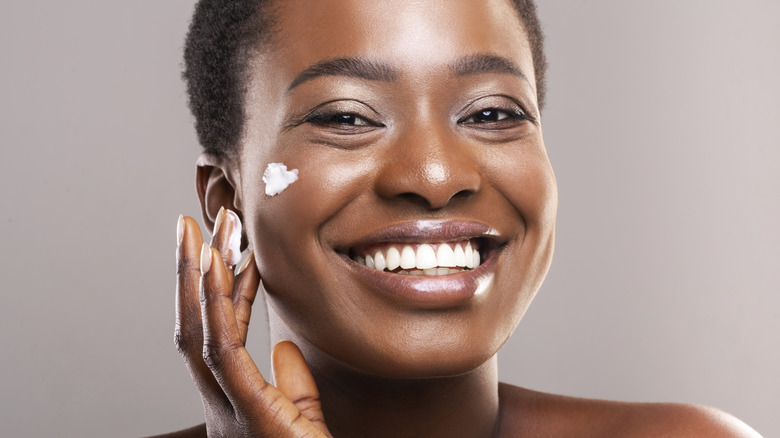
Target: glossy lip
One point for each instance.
(428, 231)
(429, 292)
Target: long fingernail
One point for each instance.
(218, 221)
(245, 263)
(180, 230)
(231, 253)
(205, 259)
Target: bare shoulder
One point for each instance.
(532, 413)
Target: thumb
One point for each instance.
(294, 380)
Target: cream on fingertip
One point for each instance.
(277, 178)
(232, 254)
(227, 225)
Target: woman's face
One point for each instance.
(410, 123)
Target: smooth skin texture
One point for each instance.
(428, 114)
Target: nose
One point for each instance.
(428, 165)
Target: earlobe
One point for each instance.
(215, 188)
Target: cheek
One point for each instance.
(532, 190)
(326, 183)
(524, 177)
(286, 229)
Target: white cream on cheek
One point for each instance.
(277, 178)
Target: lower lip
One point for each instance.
(435, 291)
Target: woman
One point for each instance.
(418, 230)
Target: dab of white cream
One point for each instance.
(277, 178)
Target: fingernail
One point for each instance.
(180, 230)
(245, 263)
(218, 221)
(205, 259)
(232, 249)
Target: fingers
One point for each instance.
(212, 317)
(223, 349)
(188, 332)
(254, 400)
(244, 292)
(294, 379)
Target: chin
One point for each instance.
(419, 351)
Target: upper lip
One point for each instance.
(428, 231)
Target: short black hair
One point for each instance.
(217, 51)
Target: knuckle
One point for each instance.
(308, 404)
(186, 341)
(242, 299)
(215, 353)
(212, 355)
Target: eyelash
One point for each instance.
(509, 116)
(346, 121)
(330, 118)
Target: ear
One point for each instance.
(216, 182)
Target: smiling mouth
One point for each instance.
(427, 264)
(429, 259)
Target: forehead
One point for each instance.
(416, 37)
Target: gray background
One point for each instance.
(662, 125)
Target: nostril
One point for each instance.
(432, 203)
(413, 198)
(465, 193)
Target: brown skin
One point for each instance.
(410, 148)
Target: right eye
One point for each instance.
(339, 120)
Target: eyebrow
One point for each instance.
(486, 63)
(351, 67)
(480, 63)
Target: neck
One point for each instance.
(356, 404)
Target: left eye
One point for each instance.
(348, 119)
(490, 115)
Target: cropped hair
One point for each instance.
(218, 48)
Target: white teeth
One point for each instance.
(379, 261)
(444, 256)
(423, 259)
(468, 253)
(426, 258)
(408, 258)
(393, 258)
(460, 256)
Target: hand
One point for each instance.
(212, 318)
